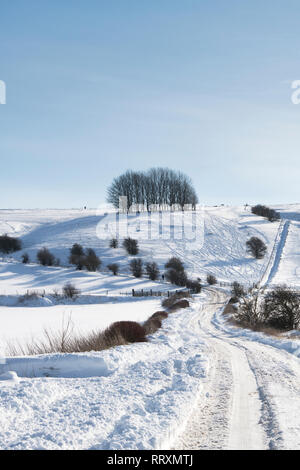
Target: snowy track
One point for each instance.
(252, 391)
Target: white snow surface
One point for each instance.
(129, 397)
(142, 396)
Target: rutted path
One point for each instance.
(247, 392)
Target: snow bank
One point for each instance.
(141, 401)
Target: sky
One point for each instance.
(96, 87)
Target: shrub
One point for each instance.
(237, 290)
(25, 258)
(78, 261)
(76, 250)
(264, 211)
(161, 315)
(172, 299)
(131, 246)
(179, 278)
(175, 263)
(211, 279)
(249, 313)
(281, 309)
(256, 247)
(175, 272)
(91, 260)
(114, 268)
(152, 325)
(131, 331)
(9, 244)
(136, 267)
(152, 271)
(114, 243)
(194, 286)
(45, 258)
(178, 305)
(70, 291)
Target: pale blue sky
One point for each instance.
(96, 87)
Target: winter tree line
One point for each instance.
(157, 188)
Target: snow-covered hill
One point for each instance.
(219, 249)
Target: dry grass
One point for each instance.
(260, 328)
(65, 341)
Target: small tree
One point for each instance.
(152, 271)
(70, 291)
(136, 267)
(25, 258)
(77, 250)
(179, 278)
(114, 243)
(77, 256)
(91, 260)
(256, 247)
(211, 279)
(237, 290)
(45, 258)
(114, 268)
(131, 246)
(9, 244)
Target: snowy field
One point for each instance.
(139, 396)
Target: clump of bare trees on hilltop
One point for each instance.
(158, 187)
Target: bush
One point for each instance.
(9, 244)
(77, 250)
(152, 271)
(25, 258)
(152, 325)
(175, 272)
(249, 313)
(194, 286)
(70, 291)
(281, 309)
(161, 315)
(136, 267)
(256, 247)
(178, 305)
(237, 291)
(131, 331)
(45, 258)
(211, 279)
(175, 263)
(172, 299)
(179, 278)
(114, 243)
(264, 211)
(78, 261)
(91, 260)
(114, 268)
(131, 246)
